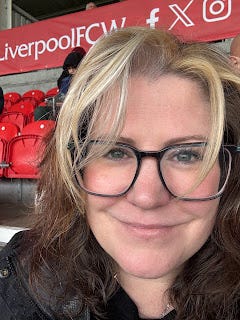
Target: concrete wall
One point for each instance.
(42, 80)
(5, 14)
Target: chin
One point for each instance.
(149, 268)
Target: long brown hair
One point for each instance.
(67, 263)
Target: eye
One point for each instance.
(188, 156)
(118, 154)
(115, 154)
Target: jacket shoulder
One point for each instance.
(15, 302)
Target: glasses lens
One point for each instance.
(110, 172)
(182, 167)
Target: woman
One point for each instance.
(138, 200)
(70, 65)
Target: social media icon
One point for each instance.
(216, 10)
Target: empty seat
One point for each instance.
(52, 92)
(11, 98)
(40, 127)
(25, 107)
(8, 130)
(24, 155)
(17, 118)
(42, 104)
(34, 96)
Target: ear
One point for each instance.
(234, 60)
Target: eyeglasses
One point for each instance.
(114, 172)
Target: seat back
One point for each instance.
(10, 98)
(25, 107)
(24, 155)
(17, 118)
(52, 92)
(34, 96)
(8, 130)
(40, 127)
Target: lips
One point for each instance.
(146, 231)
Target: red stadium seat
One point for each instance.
(42, 104)
(2, 156)
(34, 96)
(11, 98)
(8, 130)
(17, 118)
(24, 155)
(40, 127)
(25, 107)
(52, 92)
(30, 117)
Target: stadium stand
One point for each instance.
(20, 152)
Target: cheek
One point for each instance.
(96, 208)
(96, 203)
(183, 185)
(202, 212)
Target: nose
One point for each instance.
(148, 192)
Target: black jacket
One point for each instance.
(16, 302)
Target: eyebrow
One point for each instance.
(169, 142)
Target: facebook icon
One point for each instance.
(152, 20)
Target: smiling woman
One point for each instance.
(138, 200)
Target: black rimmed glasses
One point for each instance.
(114, 172)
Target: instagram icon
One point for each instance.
(216, 10)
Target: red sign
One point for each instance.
(45, 44)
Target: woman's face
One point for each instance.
(146, 231)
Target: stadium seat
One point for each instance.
(8, 130)
(24, 155)
(42, 104)
(25, 107)
(34, 96)
(30, 117)
(11, 98)
(2, 156)
(40, 127)
(52, 92)
(17, 118)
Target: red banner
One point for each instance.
(45, 44)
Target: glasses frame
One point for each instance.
(158, 155)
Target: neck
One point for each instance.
(149, 295)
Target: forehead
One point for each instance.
(163, 108)
(166, 90)
(166, 108)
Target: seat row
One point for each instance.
(17, 118)
(20, 153)
(32, 97)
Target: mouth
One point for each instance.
(147, 231)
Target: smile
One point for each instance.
(143, 231)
